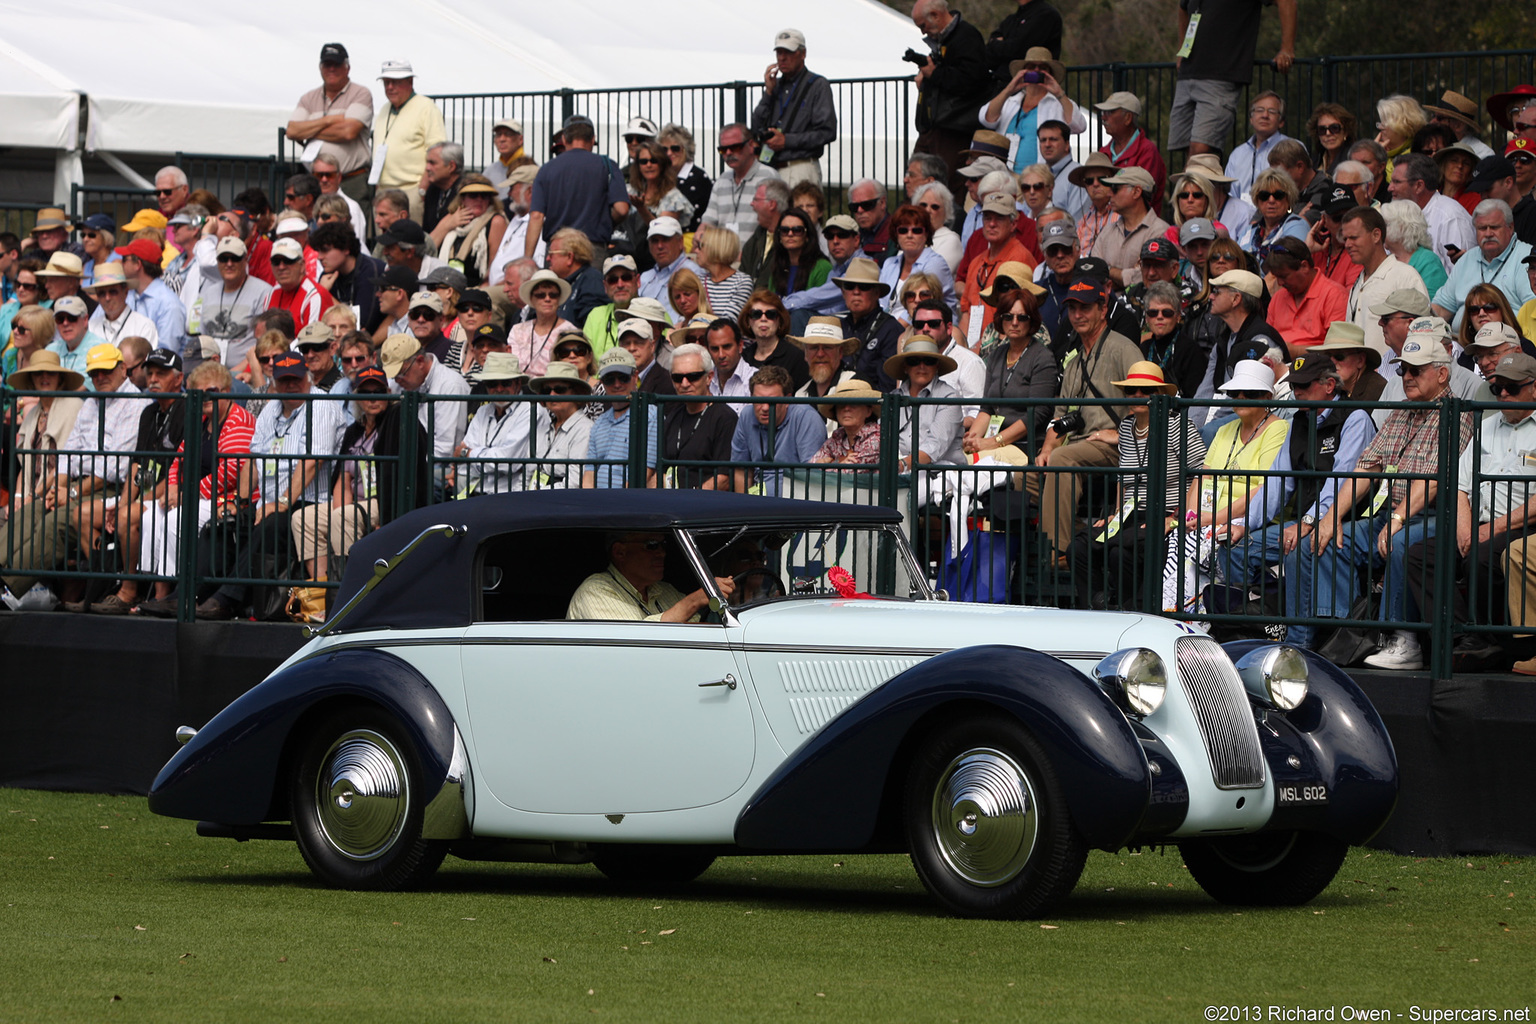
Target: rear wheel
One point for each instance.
(1265, 869)
(987, 823)
(357, 804)
(646, 864)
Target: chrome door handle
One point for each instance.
(727, 681)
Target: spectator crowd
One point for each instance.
(1024, 307)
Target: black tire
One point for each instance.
(651, 864)
(356, 803)
(1265, 869)
(987, 822)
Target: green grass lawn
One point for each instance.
(113, 913)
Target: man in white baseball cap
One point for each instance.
(665, 239)
(411, 126)
(795, 117)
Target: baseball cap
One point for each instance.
(641, 126)
(397, 350)
(403, 278)
(427, 299)
(636, 326)
(229, 245)
(287, 366)
(1086, 288)
(511, 124)
(102, 357)
(574, 120)
(617, 360)
(1490, 335)
(1404, 300)
(141, 249)
(474, 298)
(313, 335)
(1156, 248)
(288, 248)
(164, 358)
(489, 334)
(397, 69)
(1520, 145)
(446, 276)
(370, 379)
(789, 39)
(100, 222)
(1426, 337)
(333, 53)
(1340, 199)
(842, 222)
(1309, 367)
(1489, 172)
(1092, 266)
(183, 218)
(1197, 228)
(1057, 233)
(403, 230)
(1137, 176)
(623, 260)
(1517, 366)
(1120, 101)
(73, 305)
(290, 224)
(1248, 283)
(1000, 203)
(982, 166)
(667, 227)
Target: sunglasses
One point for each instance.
(934, 322)
(859, 287)
(545, 293)
(646, 161)
(619, 275)
(1010, 318)
(326, 175)
(910, 230)
(266, 360)
(21, 329)
(919, 295)
(1330, 129)
(1483, 307)
(1162, 313)
(354, 360)
(673, 149)
(557, 389)
(1140, 392)
(168, 191)
(93, 374)
(931, 206)
(791, 229)
(423, 314)
(283, 261)
(1191, 195)
(689, 378)
(65, 318)
(724, 149)
(864, 206)
(613, 380)
(1038, 186)
(565, 353)
(1094, 179)
(835, 234)
(761, 314)
(1266, 195)
(1521, 159)
(922, 360)
(1409, 370)
(1524, 126)
(289, 197)
(87, 234)
(28, 285)
(649, 545)
(1499, 389)
(232, 258)
(1251, 396)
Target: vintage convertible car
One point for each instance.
(835, 704)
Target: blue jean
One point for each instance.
(1245, 561)
(1338, 568)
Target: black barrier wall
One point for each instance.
(93, 706)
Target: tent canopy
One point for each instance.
(236, 80)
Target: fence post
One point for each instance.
(406, 484)
(1121, 76)
(740, 89)
(890, 451)
(1442, 627)
(187, 576)
(567, 103)
(1159, 409)
(639, 409)
(1330, 80)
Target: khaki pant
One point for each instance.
(1057, 493)
(796, 171)
(332, 529)
(1520, 576)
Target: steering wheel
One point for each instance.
(766, 582)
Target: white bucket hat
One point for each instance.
(1250, 375)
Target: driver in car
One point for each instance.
(633, 588)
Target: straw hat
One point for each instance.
(697, 322)
(559, 372)
(1457, 108)
(863, 271)
(45, 361)
(544, 277)
(1021, 276)
(1145, 374)
(62, 264)
(1344, 337)
(918, 345)
(1096, 162)
(853, 387)
(825, 330)
(106, 275)
(1208, 166)
(49, 218)
(1039, 55)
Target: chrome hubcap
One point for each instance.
(984, 817)
(362, 794)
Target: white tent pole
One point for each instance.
(132, 176)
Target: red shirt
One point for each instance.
(1304, 324)
(1142, 152)
(978, 276)
(1024, 231)
(259, 262)
(308, 302)
(234, 439)
(1341, 270)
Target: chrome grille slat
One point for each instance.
(1221, 709)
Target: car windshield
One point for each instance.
(772, 563)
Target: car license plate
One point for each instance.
(1310, 795)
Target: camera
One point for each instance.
(1034, 77)
(913, 57)
(1071, 423)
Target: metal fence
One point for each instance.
(875, 115)
(981, 529)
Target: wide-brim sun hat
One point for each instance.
(1146, 374)
(544, 277)
(825, 331)
(561, 372)
(1250, 375)
(918, 345)
(45, 361)
(851, 388)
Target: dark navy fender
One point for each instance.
(829, 794)
(1342, 744)
(229, 771)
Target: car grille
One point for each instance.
(1221, 707)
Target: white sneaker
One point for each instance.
(10, 599)
(1400, 652)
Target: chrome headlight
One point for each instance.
(1139, 674)
(1277, 675)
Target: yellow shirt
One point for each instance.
(608, 595)
(1228, 452)
(408, 132)
(1526, 319)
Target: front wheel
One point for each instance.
(987, 823)
(357, 805)
(1265, 869)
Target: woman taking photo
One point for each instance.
(653, 184)
(913, 233)
(765, 324)
(1108, 557)
(1332, 131)
(1022, 368)
(796, 261)
(717, 250)
(470, 233)
(1244, 446)
(1033, 96)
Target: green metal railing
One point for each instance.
(946, 509)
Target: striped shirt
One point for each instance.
(1182, 457)
(610, 440)
(608, 595)
(234, 439)
(730, 202)
(308, 303)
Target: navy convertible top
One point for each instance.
(436, 586)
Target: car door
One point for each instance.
(583, 717)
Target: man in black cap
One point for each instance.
(1159, 261)
(1281, 518)
(578, 189)
(394, 303)
(1326, 241)
(337, 118)
(405, 245)
(1495, 179)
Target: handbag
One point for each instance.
(306, 605)
(980, 571)
(1350, 644)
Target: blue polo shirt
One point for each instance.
(610, 440)
(799, 437)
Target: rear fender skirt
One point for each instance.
(230, 771)
(829, 794)
(1338, 741)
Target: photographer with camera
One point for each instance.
(1032, 97)
(952, 83)
(794, 119)
(1082, 435)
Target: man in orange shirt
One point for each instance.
(1306, 301)
(998, 214)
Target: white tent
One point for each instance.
(221, 79)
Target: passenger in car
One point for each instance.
(633, 588)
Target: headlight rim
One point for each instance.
(1138, 685)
